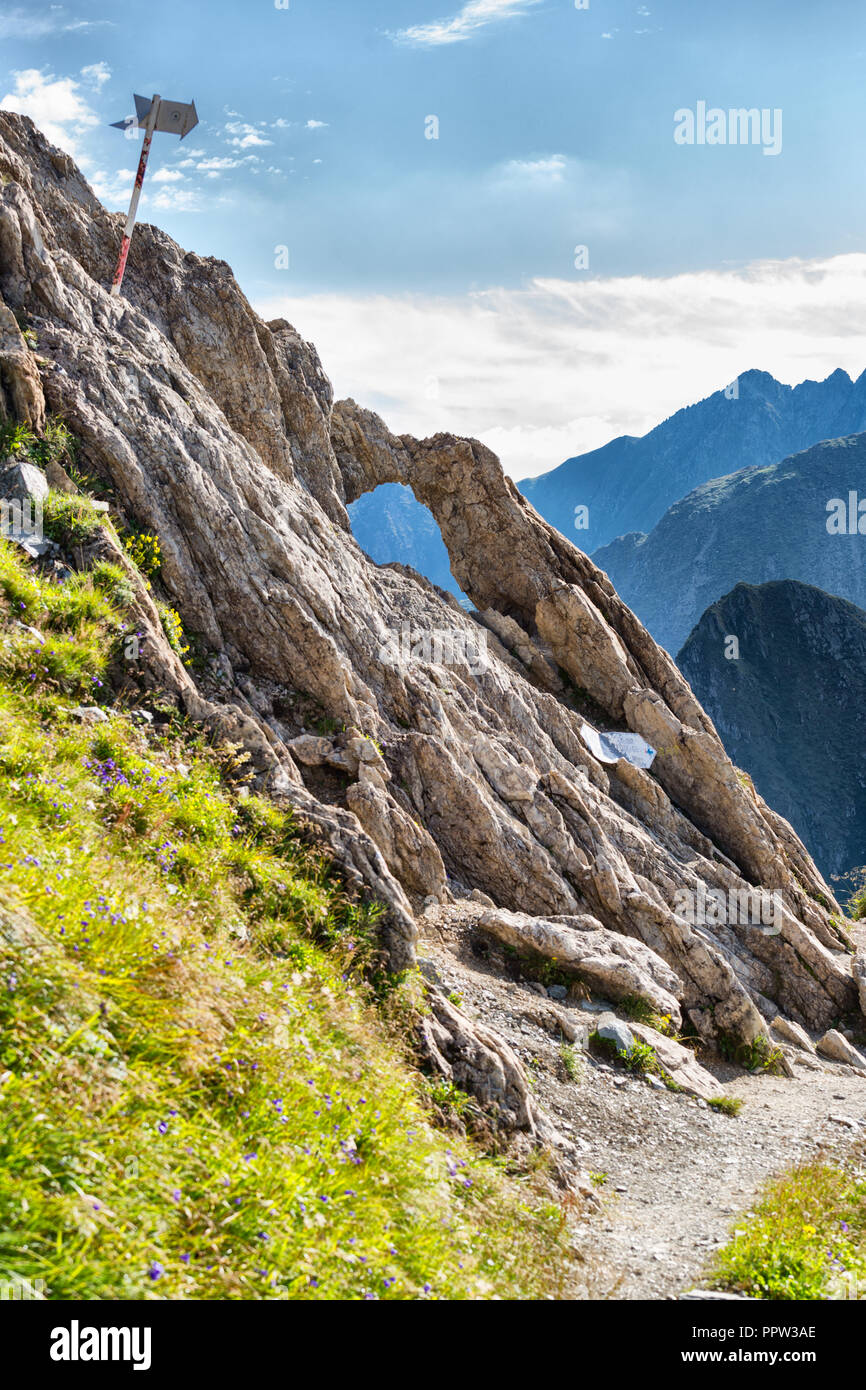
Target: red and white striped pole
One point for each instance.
(149, 128)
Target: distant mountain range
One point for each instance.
(788, 703)
(629, 484)
(756, 525)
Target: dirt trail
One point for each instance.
(677, 1174)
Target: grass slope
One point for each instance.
(199, 1094)
(806, 1238)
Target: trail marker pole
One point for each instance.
(136, 194)
(174, 117)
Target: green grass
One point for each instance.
(70, 519)
(726, 1105)
(56, 443)
(638, 1008)
(757, 1056)
(570, 1061)
(640, 1058)
(201, 1095)
(806, 1239)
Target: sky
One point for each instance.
(488, 214)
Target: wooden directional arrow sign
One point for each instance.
(171, 117)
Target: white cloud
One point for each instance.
(167, 176)
(317, 125)
(476, 14)
(56, 104)
(114, 190)
(243, 135)
(215, 164)
(96, 75)
(24, 24)
(548, 170)
(561, 366)
(173, 199)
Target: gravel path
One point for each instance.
(677, 1174)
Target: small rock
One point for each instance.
(141, 716)
(310, 750)
(30, 542)
(182, 770)
(557, 991)
(476, 896)
(429, 971)
(839, 1049)
(89, 714)
(22, 482)
(792, 1033)
(614, 1030)
(536, 988)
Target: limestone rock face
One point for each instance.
(20, 388)
(460, 745)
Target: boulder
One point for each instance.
(679, 1063)
(609, 964)
(833, 1045)
(791, 1032)
(21, 481)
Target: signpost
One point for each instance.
(173, 117)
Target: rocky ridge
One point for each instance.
(459, 768)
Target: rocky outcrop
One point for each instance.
(448, 749)
(611, 965)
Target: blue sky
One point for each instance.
(555, 130)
